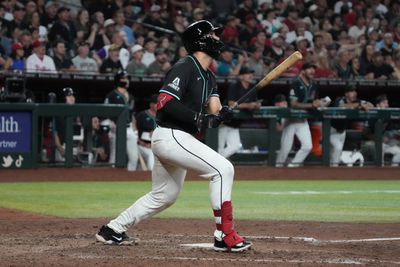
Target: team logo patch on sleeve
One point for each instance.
(175, 84)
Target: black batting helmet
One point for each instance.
(196, 38)
(119, 76)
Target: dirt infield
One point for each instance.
(32, 240)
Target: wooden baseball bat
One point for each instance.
(272, 75)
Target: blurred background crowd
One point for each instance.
(345, 39)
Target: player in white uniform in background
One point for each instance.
(228, 133)
(187, 101)
(302, 95)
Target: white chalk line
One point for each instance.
(331, 192)
(302, 238)
(344, 261)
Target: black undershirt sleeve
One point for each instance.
(176, 109)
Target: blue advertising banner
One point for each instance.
(15, 132)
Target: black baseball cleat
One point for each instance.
(108, 236)
(220, 246)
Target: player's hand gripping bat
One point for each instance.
(272, 75)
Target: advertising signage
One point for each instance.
(15, 132)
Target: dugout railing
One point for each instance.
(271, 115)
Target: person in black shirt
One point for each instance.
(379, 70)
(120, 95)
(228, 133)
(188, 102)
(112, 63)
(61, 60)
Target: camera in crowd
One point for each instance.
(14, 90)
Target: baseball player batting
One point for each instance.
(187, 102)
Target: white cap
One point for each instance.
(301, 38)
(276, 35)
(155, 8)
(312, 8)
(135, 48)
(109, 22)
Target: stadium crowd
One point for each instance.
(345, 39)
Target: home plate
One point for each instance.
(199, 245)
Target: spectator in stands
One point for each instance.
(25, 39)
(300, 31)
(277, 50)
(358, 29)
(391, 134)
(160, 66)
(39, 61)
(135, 66)
(292, 18)
(198, 14)
(83, 62)
(355, 71)
(150, 46)
(169, 47)
(260, 40)
(366, 58)
(319, 48)
(230, 35)
(379, 70)
(181, 52)
(323, 70)
(50, 16)
(109, 28)
(82, 26)
(227, 65)
(256, 62)
(222, 9)
(18, 17)
(313, 19)
(339, 126)
(154, 18)
(179, 22)
(342, 66)
(98, 37)
(324, 27)
(146, 123)
(116, 40)
(271, 24)
(120, 25)
(337, 26)
(249, 31)
(120, 95)
(112, 63)
(63, 28)
(228, 133)
(16, 61)
(245, 11)
(387, 46)
(32, 23)
(61, 60)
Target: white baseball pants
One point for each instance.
(131, 147)
(337, 141)
(302, 131)
(228, 140)
(175, 152)
(394, 150)
(148, 156)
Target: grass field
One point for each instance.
(334, 201)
